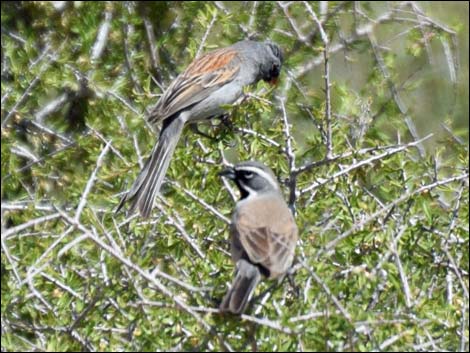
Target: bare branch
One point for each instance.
(290, 156)
(102, 36)
(359, 164)
(388, 207)
(91, 181)
(9, 232)
(206, 34)
(180, 227)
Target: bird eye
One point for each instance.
(248, 175)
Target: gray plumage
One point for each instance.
(263, 233)
(213, 80)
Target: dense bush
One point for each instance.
(382, 207)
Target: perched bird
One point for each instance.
(263, 232)
(213, 80)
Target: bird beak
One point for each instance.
(274, 81)
(228, 173)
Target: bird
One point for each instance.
(263, 233)
(209, 82)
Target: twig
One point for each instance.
(91, 181)
(90, 306)
(251, 21)
(180, 227)
(290, 156)
(387, 208)
(329, 143)
(33, 83)
(52, 106)
(125, 260)
(203, 203)
(359, 33)
(206, 34)
(327, 290)
(102, 37)
(394, 92)
(268, 323)
(30, 164)
(285, 8)
(312, 13)
(113, 149)
(10, 259)
(401, 271)
(35, 268)
(257, 134)
(154, 54)
(34, 222)
(364, 162)
(220, 5)
(128, 30)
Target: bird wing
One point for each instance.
(202, 77)
(268, 234)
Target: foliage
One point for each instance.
(382, 263)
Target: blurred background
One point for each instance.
(382, 206)
(437, 66)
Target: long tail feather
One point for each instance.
(147, 185)
(239, 294)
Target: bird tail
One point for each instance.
(147, 185)
(239, 294)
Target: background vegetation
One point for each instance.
(382, 205)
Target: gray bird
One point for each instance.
(213, 80)
(263, 233)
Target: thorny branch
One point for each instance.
(390, 206)
(362, 163)
(290, 156)
(326, 57)
(84, 221)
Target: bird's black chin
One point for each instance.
(243, 193)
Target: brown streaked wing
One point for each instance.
(255, 242)
(272, 250)
(210, 62)
(202, 77)
(268, 234)
(282, 247)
